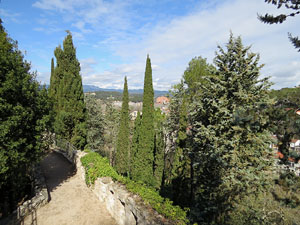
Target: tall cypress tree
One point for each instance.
(53, 88)
(144, 166)
(122, 150)
(52, 78)
(159, 147)
(135, 145)
(69, 99)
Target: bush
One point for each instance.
(97, 166)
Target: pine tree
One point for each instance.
(122, 149)
(70, 122)
(144, 165)
(24, 113)
(230, 133)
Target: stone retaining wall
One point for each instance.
(125, 207)
(41, 197)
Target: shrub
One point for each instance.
(97, 166)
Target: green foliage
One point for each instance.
(279, 205)
(67, 95)
(97, 166)
(159, 147)
(195, 73)
(285, 122)
(24, 116)
(117, 96)
(111, 121)
(135, 144)
(287, 97)
(229, 118)
(181, 172)
(122, 158)
(95, 124)
(143, 170)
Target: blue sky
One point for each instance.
(113, 38)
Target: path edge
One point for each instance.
(41, 197)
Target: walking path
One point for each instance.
(72, 202)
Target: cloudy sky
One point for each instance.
(114, 37)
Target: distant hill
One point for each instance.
(93, 88)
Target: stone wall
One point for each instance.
(125, 207)
(41, 197)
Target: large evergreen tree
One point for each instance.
(95, 124)
(135, 145)
(231, 155)
(179, 157)
(23, 114)
(111, 121)
(70, 122)
(123, 142)
(144, 157)
(52, 87)
(159, 147)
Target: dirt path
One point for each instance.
(71, 201)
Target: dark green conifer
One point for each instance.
(52, 79)
(122, 149)
(159, 147)
(135, 145)
(144, 165)
(23, 117)
(69, 103)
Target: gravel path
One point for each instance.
(72, 202)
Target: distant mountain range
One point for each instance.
(93, 88)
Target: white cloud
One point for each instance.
(10, 16)
(60, 5)
(173, 43)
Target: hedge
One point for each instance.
(97, 166)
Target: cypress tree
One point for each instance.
(135, 145)
(144, 165)
(122, 149)
(70, 122)
(159, 147)
(52, 79)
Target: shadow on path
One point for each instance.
(56, 169)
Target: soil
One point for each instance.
(72, 202)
